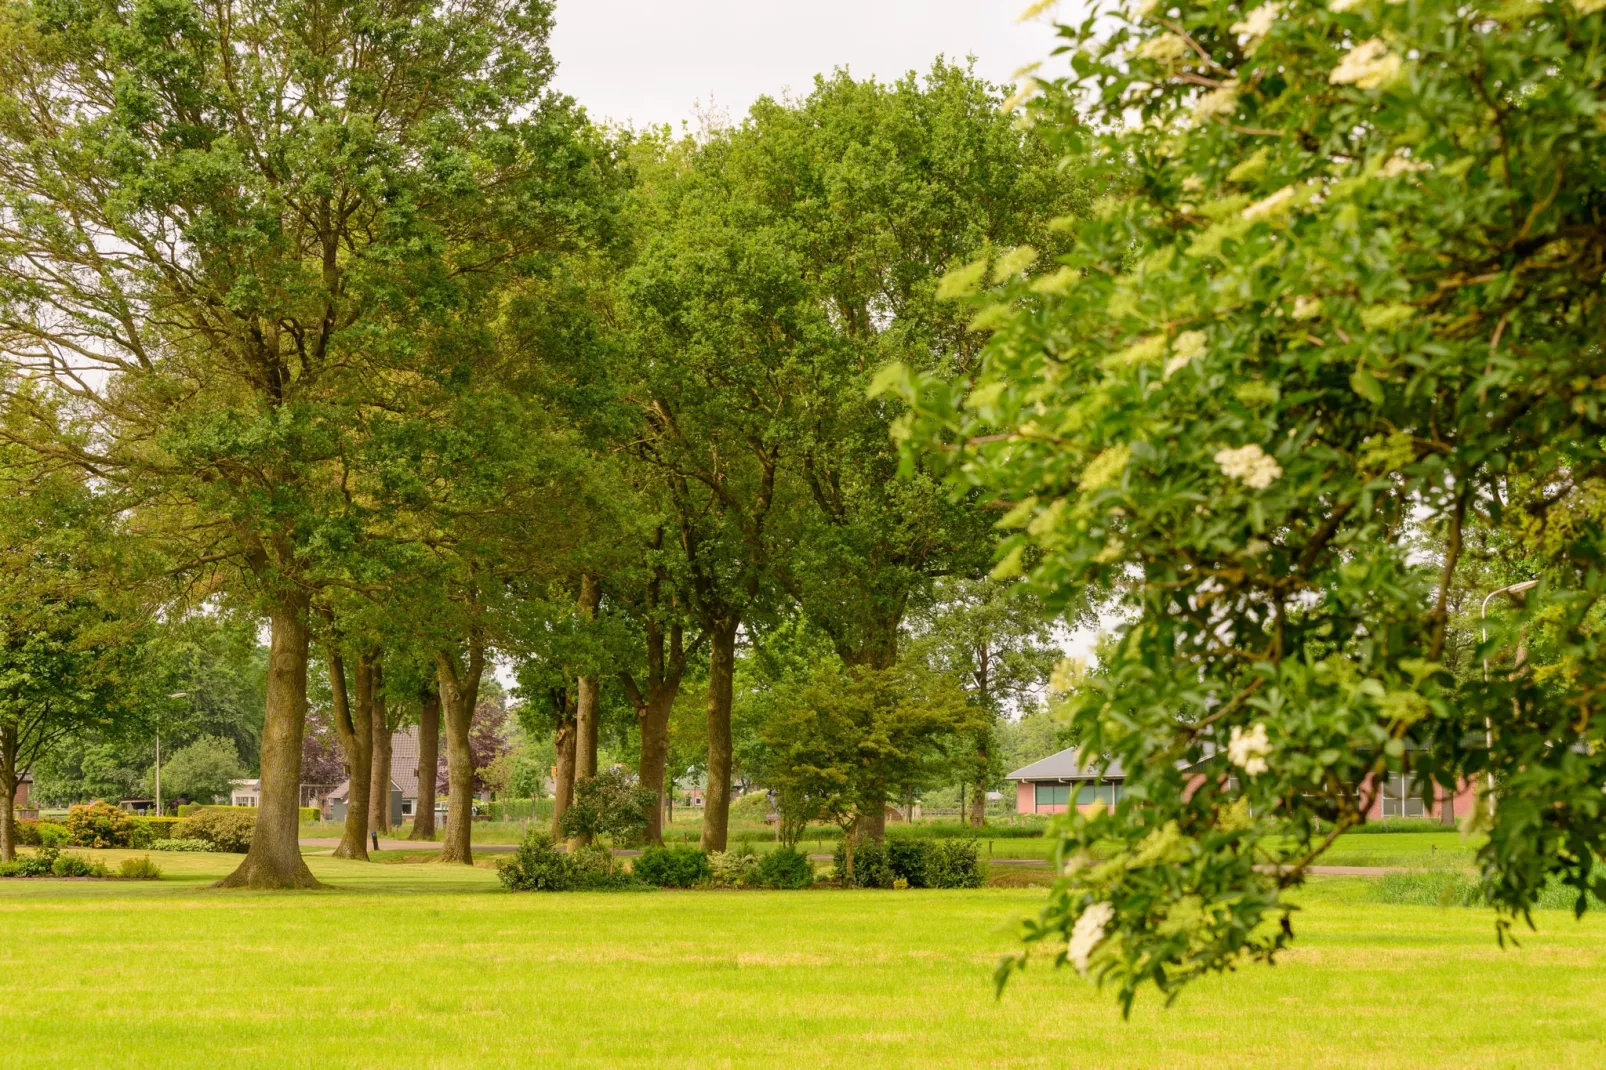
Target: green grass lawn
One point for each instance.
(428, 965)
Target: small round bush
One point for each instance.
(139, 869)
(537, 866)
(76, 866)
(785, 867)
(672, 867)
(227, 829)
(100, 825)
(50, 834)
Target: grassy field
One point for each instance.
(427, 965)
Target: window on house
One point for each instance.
(407, 808)
(1053, 794)
(1091, 793)
(1402, 797)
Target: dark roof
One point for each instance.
(1069, 764)
(403, 766)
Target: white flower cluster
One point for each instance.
(1270, 207)
(1087, 933)
(1396, 166)
(1369, 65)
(1221, 101)
(1251, 464)
(1188, 345)
(1258, 24)
(1249, 750)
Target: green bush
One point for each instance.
(311, 815)
(609, 804)
(751, 808)
(785, 868)
(672, 867)
(190, 809)
(76, 866)
(151, 830)
(955, 864)
(100, 825)
(139, 869)
(736, 868)
(183, 846)
(922, 863)
(537, 866)
(226, 828)
(42, 834)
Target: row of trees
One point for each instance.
(341, 319)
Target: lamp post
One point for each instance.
(1483, 628)
(176, 694)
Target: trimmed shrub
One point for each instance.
(28, 832)
(99, 825)
(76, 866)
(609, 804)
(190, 809)
(785, 868)
(139, 869)
(733, 869)
(672, 867)
(954, 864)
(944, 863)
(153, 829)
(227, 829)
(42, 834)
(183, 846)
(537, 866)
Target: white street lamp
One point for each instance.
(1483, 618)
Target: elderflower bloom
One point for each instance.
(1087, 934)
(1167, 48)
(1258, 24)
(1588, 7)
(1307, 307)
(1249, 750)
(1396, 166)
(1251, 464)
(1188, 345)
(1222, 101)
(1369, 65)
(1271, 206)
(1341, 6)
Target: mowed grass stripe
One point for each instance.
(427, 965)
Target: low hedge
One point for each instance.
(42, 834)
(226, 828)
(538, 866)
(183, 846)
(50, 862)
(944, 863)
(672, 867)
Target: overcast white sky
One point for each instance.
(653, 61)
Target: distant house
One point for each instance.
(249, 793)
(24, 810)
(404, 779)
(1054, 784)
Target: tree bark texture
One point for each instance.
(563, 777)
(429, 756)
(588, 703)
(379, 792)
(460, 688)
(721, 671)
(356, 740)
(274, 860)
(8, 787)
(665, 669)
(978, 806)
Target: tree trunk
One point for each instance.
(356, 739)
(429, 757)
(872, 824)
(978, 805)
(8, 788)
(721, 669)
(459, 693)
(274, 860)
(588, 703)
(654, 722)
(563, 779)
(379, 792)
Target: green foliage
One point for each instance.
(183, 846)
(43, 834)
(736, 868)
(99, 825)
(203, 769)
(311, 815)
(139, 869)
(672, 867)
(1338, 310)
(69, 865)
(922, 863)
(537, 866)
(227, 829)
(785, 868)
(154, 829)
(609, 804)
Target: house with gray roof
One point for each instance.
(1054, 784)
